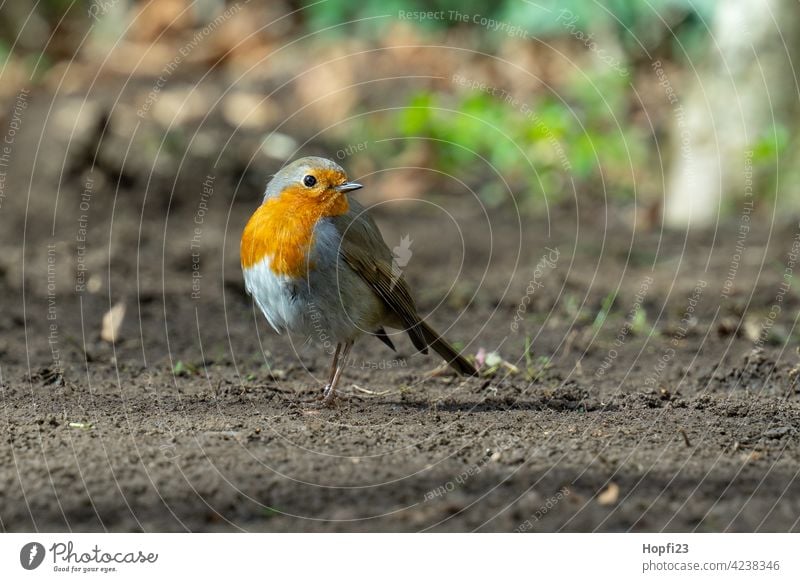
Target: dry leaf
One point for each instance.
(610, 495)
(112, 321)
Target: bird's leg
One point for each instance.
(330, 390)
(333, 365)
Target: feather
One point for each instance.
(365, 252)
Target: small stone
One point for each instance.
(778, 432)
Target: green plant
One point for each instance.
(605, 309)
(535, 367)
(537, 146)
(184, 369)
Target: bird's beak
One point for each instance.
(348, 187)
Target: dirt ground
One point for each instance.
(677, 411)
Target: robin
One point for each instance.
(316, 264)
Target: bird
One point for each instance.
(315, 264)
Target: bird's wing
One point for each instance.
(365, 252)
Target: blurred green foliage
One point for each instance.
(535, 145)
(331, 13)
(634, 23)
(770, 144)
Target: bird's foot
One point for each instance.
(327, 399)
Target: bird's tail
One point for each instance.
(458, 362)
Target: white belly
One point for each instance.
(331, 304)
(275, 296)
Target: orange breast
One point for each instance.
(282, 229)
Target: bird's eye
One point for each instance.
(309, 181)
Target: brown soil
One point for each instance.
(194, 419)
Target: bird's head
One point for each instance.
(313, 180)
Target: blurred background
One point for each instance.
(650, 108)
(125, 119)
(596, 201)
